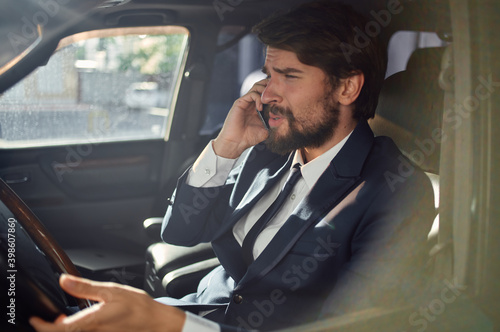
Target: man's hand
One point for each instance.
(120, 308)
(243, 127)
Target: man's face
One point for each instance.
(301, 104)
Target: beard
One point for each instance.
(313, 132)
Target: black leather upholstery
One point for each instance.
(411, 106)
(163, 259)
(410, 111)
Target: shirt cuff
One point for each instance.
(195, 323)
(209, 170)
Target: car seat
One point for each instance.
(410, 111)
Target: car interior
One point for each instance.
(88, 163)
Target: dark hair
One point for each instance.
(331, 36)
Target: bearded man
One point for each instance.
(340, 238)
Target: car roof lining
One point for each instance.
(101, 14)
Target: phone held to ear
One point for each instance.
(263, 117)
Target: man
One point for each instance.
(344, 238)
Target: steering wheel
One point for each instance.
(31, 262)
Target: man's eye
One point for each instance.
(290, 76)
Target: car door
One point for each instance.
(89, 139)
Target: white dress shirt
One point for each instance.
(211, 170)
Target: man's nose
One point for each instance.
(271, 94)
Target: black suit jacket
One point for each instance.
(355, 241)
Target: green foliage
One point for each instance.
(152, 54)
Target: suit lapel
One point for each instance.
(338, 180)
(254, 186)
(225, 245)
(315, 206)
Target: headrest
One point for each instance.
(410, 109)
(427, 59)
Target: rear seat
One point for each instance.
(410, 112)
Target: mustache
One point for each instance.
(281, 111)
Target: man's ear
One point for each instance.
(350, 88)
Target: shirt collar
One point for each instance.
(313, 169)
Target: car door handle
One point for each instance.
(16, 178)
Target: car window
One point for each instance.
(99, 86)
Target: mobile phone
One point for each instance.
(262, 116)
